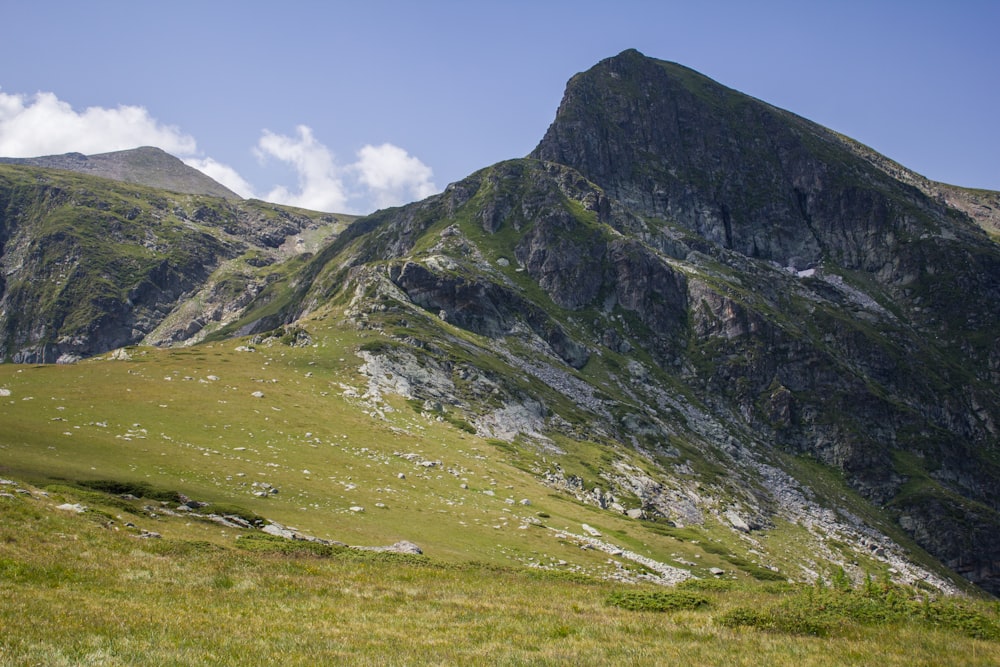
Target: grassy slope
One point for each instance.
(81, 589)
(127, 421)
(195, 596)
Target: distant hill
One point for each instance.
(88, 264)
(147, 165)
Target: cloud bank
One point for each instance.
(381, 176)
(45, 125)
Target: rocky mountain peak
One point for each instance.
(671, 143)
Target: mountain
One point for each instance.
(686, 308)
(144, 166)
(91, 264)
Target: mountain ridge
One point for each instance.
(91, 264)
(146, 165)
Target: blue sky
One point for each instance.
(349, 106)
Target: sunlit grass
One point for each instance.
(78, 590)
(498, 584)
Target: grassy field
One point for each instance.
(509, 575)
(86, 589)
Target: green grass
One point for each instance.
(185, 421)
(500, 582)
(823, 612)
(96, 594)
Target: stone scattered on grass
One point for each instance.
(401, 547)
(72, 507)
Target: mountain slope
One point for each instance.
(741, 276)
(91, 264)
(717, 327)
(147, 166)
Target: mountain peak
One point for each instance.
(673, 144)
(628, 55)
(146, 165)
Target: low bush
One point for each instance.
(137, 489)
(819, 610)
(643, 600)
(785, 621)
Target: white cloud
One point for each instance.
(382, 176)
(222, 173)
(45, 125)
(392, 175)
(321, 185)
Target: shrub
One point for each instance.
(954, 615)
(656, 600)
(377, 346)
(264, 543)
(790, 621)
(819, 610)
(137, 489)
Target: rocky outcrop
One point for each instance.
(670, 143)
(483, 307)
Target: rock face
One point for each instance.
(848, 360)
(670, 143)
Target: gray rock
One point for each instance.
(278, 530)
(405, 547)
(72, 507)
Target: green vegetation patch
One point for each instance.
(821, 612)
(662, 601)
(272, 544)
(137, 489)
